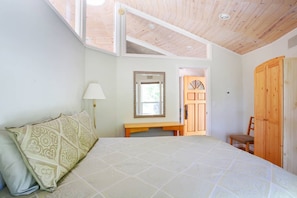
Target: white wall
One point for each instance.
(125, 105)
(45, 70)
(101, 68)
(225, 75)
(116, 79)
(41, 64)
(255, 58)
(226, 93)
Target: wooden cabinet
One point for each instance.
(275, 109)
(268, 101)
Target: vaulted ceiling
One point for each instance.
(252, 24)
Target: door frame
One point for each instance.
(193, 71)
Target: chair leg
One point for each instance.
(231, 141)
(247, 147)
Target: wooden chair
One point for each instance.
(245, 139)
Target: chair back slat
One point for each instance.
(251, 125)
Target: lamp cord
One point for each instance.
(94, 112)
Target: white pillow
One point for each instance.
(2, 183)
(17, 177)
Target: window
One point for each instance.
(149, 94)
(71, 12)
(117, 28)
(151, 98)
(146, 36)
(100, 26)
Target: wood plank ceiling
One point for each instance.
(252, 24)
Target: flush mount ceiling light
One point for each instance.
(151, 26)
(95, 2)
(189, 47)
(224, 16)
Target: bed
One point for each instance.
(167, 167)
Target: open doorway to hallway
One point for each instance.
(194, 100)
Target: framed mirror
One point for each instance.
(149, 94)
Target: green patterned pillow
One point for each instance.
(83, 126)
(51, 149)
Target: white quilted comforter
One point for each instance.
(167, 167)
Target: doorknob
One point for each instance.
(186, 112)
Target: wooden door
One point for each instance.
(274, 111)
(268, 110)
(194, 105)
(260, 110)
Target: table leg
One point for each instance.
(127, 132)
(181, 131)
(175, 132)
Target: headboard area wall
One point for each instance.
(39, 77)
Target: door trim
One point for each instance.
(208, 94)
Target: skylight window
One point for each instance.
(70, 11)
(95, 2)
(149, 35)
(101, 26)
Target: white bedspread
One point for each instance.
(167, 167)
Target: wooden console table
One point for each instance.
(166, 126)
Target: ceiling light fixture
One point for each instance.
(151, 26)
(189, 47)
(95, 2)
(224, 16)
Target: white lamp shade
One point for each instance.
(94, 91)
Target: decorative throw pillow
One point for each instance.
(15, 174)
(51, 149)
(83, 126)
(48, 153)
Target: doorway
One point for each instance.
(194, 105)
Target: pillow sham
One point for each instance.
(51, 149)
(15, 174)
